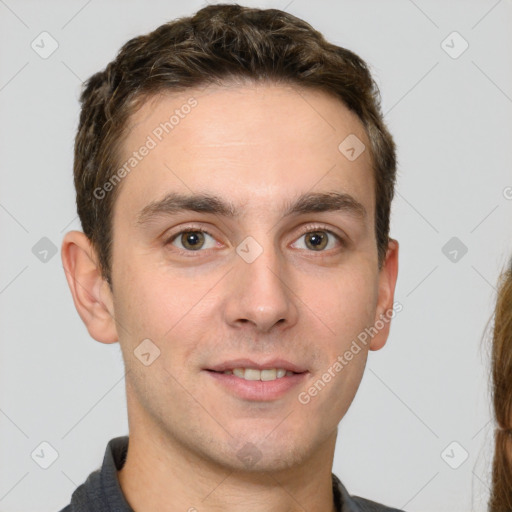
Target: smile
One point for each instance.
(255, 374)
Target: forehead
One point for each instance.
(254, 144)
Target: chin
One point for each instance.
(259, 454)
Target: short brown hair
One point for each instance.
(218, 44)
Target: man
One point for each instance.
(234, 180)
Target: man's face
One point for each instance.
(210, 289)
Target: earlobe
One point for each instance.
(387, 282)
(90, 292)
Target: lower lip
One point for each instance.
(258, 390)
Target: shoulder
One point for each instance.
(347, 503)
(364, 505)
(101, 490)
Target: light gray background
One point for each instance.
(452, 121)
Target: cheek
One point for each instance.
(345, 303)
(170, 310)
(146, 305)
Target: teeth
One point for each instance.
(268, 374)
(252, 374)
(255, 374)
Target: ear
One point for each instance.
(387, 281)
(91, 293)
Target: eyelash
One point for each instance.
(308, 229)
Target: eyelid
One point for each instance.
(323, 227)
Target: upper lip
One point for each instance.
(262, 365)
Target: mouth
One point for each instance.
(258, 381)
(265, 375)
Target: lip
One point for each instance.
(262, 365)
(257, 390)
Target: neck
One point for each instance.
(161, 474)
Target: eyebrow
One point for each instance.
(312, 202)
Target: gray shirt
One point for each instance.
(101, 491)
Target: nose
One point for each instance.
(260, 290)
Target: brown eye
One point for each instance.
(319, 240)
(192, 240)
(316, 240)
